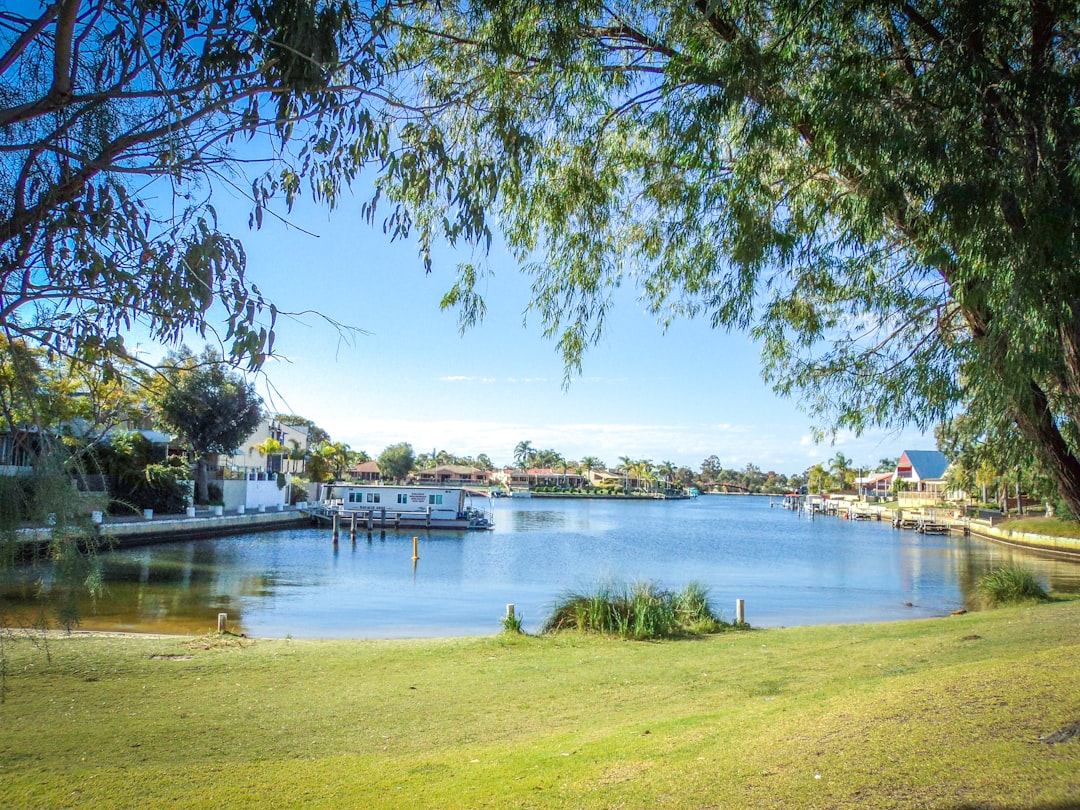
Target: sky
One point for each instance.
(412, 376)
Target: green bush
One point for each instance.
(640, 611)
(1009, 585)
(512, 623)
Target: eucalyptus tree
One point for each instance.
(396, 461)
(117, 120)
(886, 195)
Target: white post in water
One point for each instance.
(222, 618)
(740, 611)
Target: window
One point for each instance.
(374, 497)
(356, 497)
(402, 497)
(435, 499)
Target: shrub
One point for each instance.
(1008, 585)
(640, 611)
(511, 623)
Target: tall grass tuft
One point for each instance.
(1008, 585)
(639, 611)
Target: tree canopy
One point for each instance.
(886, 195)
(117, 120)
(396, 461)
(212, 408)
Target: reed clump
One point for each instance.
(638, 611)
(1010, 585)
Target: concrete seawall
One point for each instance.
(128, 532)
(1068, 547)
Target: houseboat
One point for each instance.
(401, 507)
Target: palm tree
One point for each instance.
(560, 462)
(524, 454)
(337, 456)
(667, 470)
(588, 464)
(840, 466)
(269, 448)
(625, 465)
(645, 472)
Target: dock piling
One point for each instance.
(415, 549)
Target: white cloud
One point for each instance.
(465, 378)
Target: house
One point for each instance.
(18, 449)
(542, 477)
(877, 484)
(252, 455)
(922, 478)
(365, 471)
(455, 475)
(923, 470)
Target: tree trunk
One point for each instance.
(1038, 425)
(202, 486)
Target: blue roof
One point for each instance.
(927, 463)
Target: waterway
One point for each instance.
(788, 569)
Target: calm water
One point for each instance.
(790, 571)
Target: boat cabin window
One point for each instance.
(436, 499)
(356, 497)
(374, 497)
(402, 497)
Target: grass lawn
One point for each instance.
(941, 713)
(1052, 527)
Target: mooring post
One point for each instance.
(740, 611)
(222, 618)
(415, 549)
(337, 519)
(352, 525)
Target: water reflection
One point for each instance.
(789, 571)
(538, 520)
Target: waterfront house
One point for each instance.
(251, 457)
(877, 484)
(923, 470)
(365, 471)
(923, 473)
(453, 475)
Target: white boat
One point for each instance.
(401, 507)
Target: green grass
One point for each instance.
(1051, 527)
(944, 713)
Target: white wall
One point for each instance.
(253, 494)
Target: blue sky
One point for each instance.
(678, 396)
